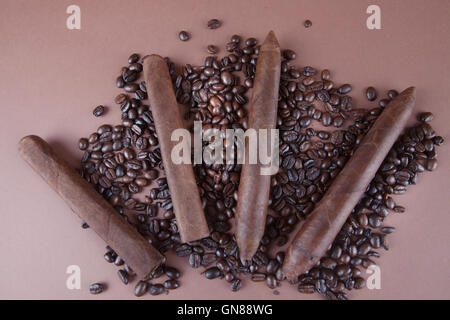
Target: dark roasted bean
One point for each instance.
(98, 111)
(213, 24)
(96, 288)
(141, 288)
(184, 36)
(123, 276)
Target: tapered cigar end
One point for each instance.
(408, 95)
(271, 42)
(150, 59)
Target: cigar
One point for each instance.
(254, 188)
(90, 206)
(322, 226)
(188, 208)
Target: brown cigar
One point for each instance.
(325, 222)
(188, 209)
(90, 206)
(254, 188)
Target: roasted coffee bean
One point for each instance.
(383, 103)
(344, 89)
(425, 117)
(212, 49)
(120, 82)
(156, 289)
(123, 276)
(184, 36)
(98, 111)
(195, 260)
(110, 256)
(141, 288)
(289, 54)
(431, 164)
(212, 273)
(129, 76)
(133, 58)
(271, 281)
(96, 288)
(392, 94)
(83, 144)
(306, 288)
(371, 94)
(171, 272)
(236, 285)
(213, 24)
(171, 284)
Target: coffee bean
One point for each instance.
(344, 89)
(171, 272)
(171, 284)
(271, 281)
(141, 288)
(289, 54)
(133, 58)
(425, 117)
(212, 273)
(226, 78)
(431, 164)
(184, 36)
(212, 49)
(123, 276)
(392, 94)
(96, 288)
(371, 94)
(306, 288)
(120, 82)
(98, 111)
(156, 289)
(213, 24)
(236, 285)
(236, 39)
(83, 144)
(130, 76)
(251, 42)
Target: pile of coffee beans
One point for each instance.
(319, 131)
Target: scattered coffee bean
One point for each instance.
(212, 49)
(371, 94)
(96, 288)
(98, 111)
(123, 276)
(141, 288)
(425, 117)
(184, 36)
(213, 24)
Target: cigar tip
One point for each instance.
(271, 40)
(151, 57)
(408, 96)
(30, 137)
(411, 91)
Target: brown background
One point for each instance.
(52, 77)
